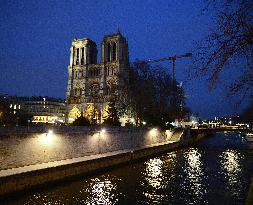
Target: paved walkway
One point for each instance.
(30, 168)
(20, 151)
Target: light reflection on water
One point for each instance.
(232, 170)
(156, 175)
(153, 177)
(153, 172)
(212, 172)
(194, 175)
(100, 192)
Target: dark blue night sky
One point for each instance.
(36, 36)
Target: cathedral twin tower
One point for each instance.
(90, 84)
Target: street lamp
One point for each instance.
(28, 122)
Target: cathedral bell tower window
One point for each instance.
(113, 51)
(77, 57)
(82, 58)
(108, 52)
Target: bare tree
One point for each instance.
(229, 46)
(151, 94)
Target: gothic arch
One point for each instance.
(73, 114)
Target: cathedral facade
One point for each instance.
(91, 85)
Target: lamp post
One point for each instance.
(28, 122)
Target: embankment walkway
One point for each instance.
(26, 177)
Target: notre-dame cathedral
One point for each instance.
(90, 84)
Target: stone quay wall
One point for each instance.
(20, 148)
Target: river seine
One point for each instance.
(217, 170)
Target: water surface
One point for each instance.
(215, 171)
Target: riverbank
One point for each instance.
(24, 149)
(26, 177)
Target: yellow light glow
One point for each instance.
(44, 119)
(48, 138)
(103, 131)
(73, 114)
(153, 132)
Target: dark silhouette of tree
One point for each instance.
(112, 117)
(81, 121)
(148, 94)
(229, 46)
(23, 118)
(6, 116)
(247, 114)
(153, 96)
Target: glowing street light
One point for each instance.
(47, 138)
(153, 134)
(50, 132)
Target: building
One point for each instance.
(36, 109)
(91, 85)
(46, 110)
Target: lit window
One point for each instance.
(10, 105)
(15, 106)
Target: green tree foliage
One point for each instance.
(112, 117)
(81, 121)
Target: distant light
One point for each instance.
(230, 122)
(103, 131)
(144, 123)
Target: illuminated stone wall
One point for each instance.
(25, 149)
